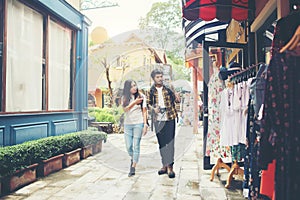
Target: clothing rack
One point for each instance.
(235, 169)
(245, 74)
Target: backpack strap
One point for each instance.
(152, 97)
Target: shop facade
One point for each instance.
(43, 62)
(254, 39)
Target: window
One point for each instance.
(59, 66)
(34, 81)
(1, 49)
(24, 58)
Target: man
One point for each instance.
(161, 101)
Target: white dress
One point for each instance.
(244, 114)
(226, 118)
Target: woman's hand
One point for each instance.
(138, 100)
(145, 129)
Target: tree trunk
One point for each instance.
(106, 66)
(109, 88)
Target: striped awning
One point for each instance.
(199, 29)
(207, 10)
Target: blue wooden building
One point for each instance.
(43, 69)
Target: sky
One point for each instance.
(122, 18)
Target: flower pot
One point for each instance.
(86, 151)
(50, 165)
(97, 147)
(20, 178)
(71, 157)
(1, 190)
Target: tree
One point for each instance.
(178, 67)
(163, 22)
(106, 66)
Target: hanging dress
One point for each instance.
(213, 148)
(280, 131)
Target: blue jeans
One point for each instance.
(133, 135)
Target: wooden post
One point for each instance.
(283, 8)
(195, 97)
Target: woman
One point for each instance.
(135, 121)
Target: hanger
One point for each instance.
(245, 74)
(293, 43)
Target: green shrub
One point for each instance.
(106, 114)
(91, 136)
(105, 117)
(20, 156)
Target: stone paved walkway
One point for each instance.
(104, 175)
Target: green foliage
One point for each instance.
(106, 114)
(178, 67)
(16, 157)
(91, 136)
(91, 43)
(104, 117)
(163, 15)
(164, 19)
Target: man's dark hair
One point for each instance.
(155, 72)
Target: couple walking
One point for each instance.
(161, 101)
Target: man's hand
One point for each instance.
(177, 97)
(156, 109)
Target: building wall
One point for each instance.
(20, 127)
(74, 3)
(130, 59)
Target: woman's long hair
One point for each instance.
(127, 93)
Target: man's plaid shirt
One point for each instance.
(170, 107)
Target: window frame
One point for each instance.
(47, 16)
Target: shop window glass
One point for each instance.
(24, 58)
(59, 67)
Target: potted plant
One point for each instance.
(42, 157)
(86, 151)
(17, 167)
(20, 178)
(71, 157)
(91, 140)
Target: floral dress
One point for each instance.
(213, 148)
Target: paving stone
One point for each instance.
(137, 195)
(188, 197)
(105, 175)
(13, 197)
(45, 193)
(213, 193)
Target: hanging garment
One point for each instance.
(213, 148)
(281, 118)
(244, 105)
(251, 169)
(267, 177)
(236, 105)
(258, 88)
(226, 117)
